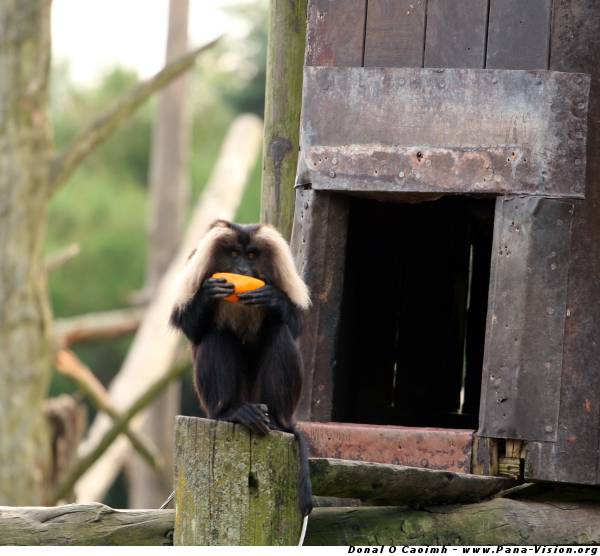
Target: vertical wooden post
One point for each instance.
(283, 98)
(233, 487)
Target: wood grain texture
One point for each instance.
(336, 32)
(519, 34)
(526, 319)
(85, 525)
(575, 456)
(234, 488)
(496, 522)
(399, 485)
(395, 33)
(319, 246)
(456, 33)
(283, 99)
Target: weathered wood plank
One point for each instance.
(233, 487)
(526, 319)
(575, 456)
(395, 33)
(456, 33)
(399, 485)
(519, 34)
(446, 449)
(336, 32)
(449, 131)
(85, 524)
(319, 246)
(496, 522)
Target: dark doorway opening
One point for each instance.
(414, 308)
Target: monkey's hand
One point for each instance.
(254, 416)
(277, 303)
(268, 297)
(216, 288)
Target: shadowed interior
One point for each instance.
(410, 350)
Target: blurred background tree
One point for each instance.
(104, 208)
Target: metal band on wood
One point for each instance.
(444, 131)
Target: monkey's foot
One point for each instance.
(254, 416)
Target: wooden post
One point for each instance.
(283, 98)
(233, 487)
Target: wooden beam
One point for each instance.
(283, 98)
(89, 524)
(67, 161)
(120, 424)
(97, 326)
(496, 522)
(400, 485)
(71, 366)
(528, 515)
(56, 260)
(233, 487)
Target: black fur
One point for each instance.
(256, 380)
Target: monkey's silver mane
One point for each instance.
(196, 268)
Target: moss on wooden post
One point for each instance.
(283, 97)
(233, 487)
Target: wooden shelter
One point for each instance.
(447, 221)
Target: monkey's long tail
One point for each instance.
(169, 499)
(304, 485)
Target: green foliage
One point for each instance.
(127, 154)
(245, 90)
(106, 215)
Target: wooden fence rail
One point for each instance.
(232, 487)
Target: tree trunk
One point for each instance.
(25, 150)
(168, 201)
(168, 162)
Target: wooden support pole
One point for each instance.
(283, 99)
(233, 487)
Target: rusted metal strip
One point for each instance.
(448, 449)
(409, 130)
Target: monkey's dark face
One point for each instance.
(241, 252)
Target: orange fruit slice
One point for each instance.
(240, 282)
